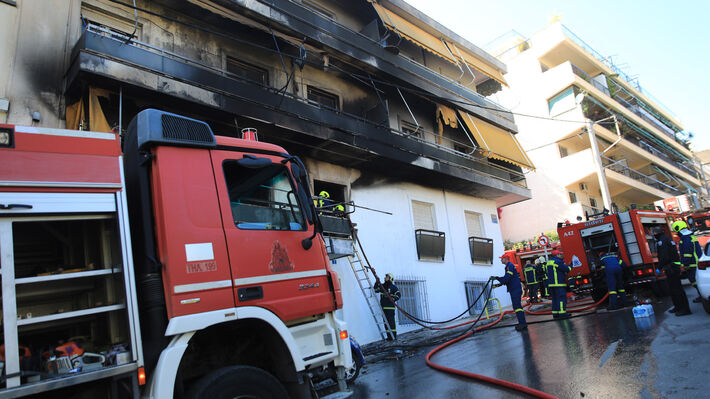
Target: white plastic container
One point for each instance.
(643, 310)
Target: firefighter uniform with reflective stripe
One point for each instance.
(531, 281)
(557, 281)
(613, 267)
(690, 251)
(388, 306)
(511, 280)
(668, 261)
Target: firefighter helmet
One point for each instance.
(324, 194)
(679, 225)
(391, 276)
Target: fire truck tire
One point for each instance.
(237, 382)
(352, 373)
(706, 304)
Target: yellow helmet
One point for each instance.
(324, 194)
(679, 225)
(391, 276)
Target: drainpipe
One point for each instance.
(606, 197)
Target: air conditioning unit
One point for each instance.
(584, 187)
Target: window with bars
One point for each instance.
(473, 290)
(413, 300)
(592, 202)
(563, 151)
(572, 197)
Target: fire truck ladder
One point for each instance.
(632, 245)
(360, 265)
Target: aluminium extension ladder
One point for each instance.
(360, 265)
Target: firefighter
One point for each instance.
(531, 281)
(668, 261)
(511, 279)
(613, 268)
(326, 203)
(690, 251)
(387, 305)
(557, 283)
(542, 274)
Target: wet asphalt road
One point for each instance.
(602, 355)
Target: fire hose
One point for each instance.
(503, 383)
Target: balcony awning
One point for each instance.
(473, 62)
(444, 49)
(413, 33)
(496, 142)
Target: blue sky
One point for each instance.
(665, 44)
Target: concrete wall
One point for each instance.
(390, 246)
(34, 47)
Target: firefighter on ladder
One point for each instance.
(531, 281)
(690, 251)
(511, 279)
(557, 283)
(387, 305)
(613, 268)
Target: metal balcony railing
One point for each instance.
(633, 104)
(430, 243)
(468, 150)
(608, 62)
(619, 166)
(481, 249)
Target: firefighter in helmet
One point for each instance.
(613, 268)
(531, 281)
(324, 202)
(511, 279)
(690, 251)
(541, 264)
(557, 282)
(389, 290)
(669, 263)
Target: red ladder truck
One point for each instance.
(186, 265)
(629, 234)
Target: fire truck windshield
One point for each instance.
(263, 198)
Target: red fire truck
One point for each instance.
(220, 286)
(529, 253)
(629, 234)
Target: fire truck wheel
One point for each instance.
(706, 304)
(237, 382)
(352, 373)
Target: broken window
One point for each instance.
(248, 71)
(323, 97)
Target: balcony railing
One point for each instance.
(608, 62)
(619, 166)
(633, 104)
(469, 151)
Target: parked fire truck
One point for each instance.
(629, 234)
(530, 252)
(220, 286)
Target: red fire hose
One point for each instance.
(507, 384)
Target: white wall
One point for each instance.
(390, 246)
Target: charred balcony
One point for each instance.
(305, 126)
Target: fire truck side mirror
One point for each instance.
(307, 243)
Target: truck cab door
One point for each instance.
(264, 224)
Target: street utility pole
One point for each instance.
(606, 197)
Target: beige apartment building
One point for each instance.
(637, 154)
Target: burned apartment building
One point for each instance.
(387, 108)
